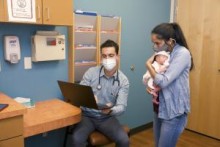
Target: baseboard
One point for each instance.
(202, 134)
(141, 128)
(150, 125)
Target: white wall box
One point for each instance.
(47, 48)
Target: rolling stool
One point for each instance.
(97, 139)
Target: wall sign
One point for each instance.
(21, 10)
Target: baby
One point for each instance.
(160, 64)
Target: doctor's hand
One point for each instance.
(96, 99)
(106, 111)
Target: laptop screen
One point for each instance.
(78, 95)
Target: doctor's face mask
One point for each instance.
(109, 58)
(109, 63)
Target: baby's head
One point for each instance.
(161, 57)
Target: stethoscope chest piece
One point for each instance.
(99, 87)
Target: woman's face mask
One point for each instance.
(109, 63)
(161, 44)
(164, 47)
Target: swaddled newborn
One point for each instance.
(160, 64)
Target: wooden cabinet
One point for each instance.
(2, 10)
(201, 27)
(11, 133)
(47, 12)
(58, 12)
(13, 142)
(88, 34)
(11, 123)
(86, 44)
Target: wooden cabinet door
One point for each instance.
(200, 22)
(2, 10)
(13, 142)
(58, 12)
(11, 127)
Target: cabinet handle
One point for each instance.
(218, 70)
(38, 12)
(48, 13)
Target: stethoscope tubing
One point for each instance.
(99, 87)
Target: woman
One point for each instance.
(174, 103)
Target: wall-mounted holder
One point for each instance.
(12, 51)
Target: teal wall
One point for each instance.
(39, 83)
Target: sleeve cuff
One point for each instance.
(157, 79)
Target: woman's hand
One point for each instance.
(150, 61)
(149, 90)
(150, 67)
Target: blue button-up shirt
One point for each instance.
(113, 90)
(174, 96)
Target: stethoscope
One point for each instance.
(99, 86)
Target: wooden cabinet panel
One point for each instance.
(202, 33)
(2, 10)
(58, 12)
(11, 127)
(13, 142)
(48, 12)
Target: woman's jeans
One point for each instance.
(167, 132)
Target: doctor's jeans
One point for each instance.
(109, 126)
(167, 132)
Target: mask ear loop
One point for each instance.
(172, 46)
(174, 40)
(174, 43)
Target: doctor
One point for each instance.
(110, 87)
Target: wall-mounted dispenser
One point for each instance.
(12, 51)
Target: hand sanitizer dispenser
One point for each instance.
(12, 49)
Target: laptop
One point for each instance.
(78, 95)
(3, 106)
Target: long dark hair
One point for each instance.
(172, 30)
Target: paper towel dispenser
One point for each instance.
(47, 46)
